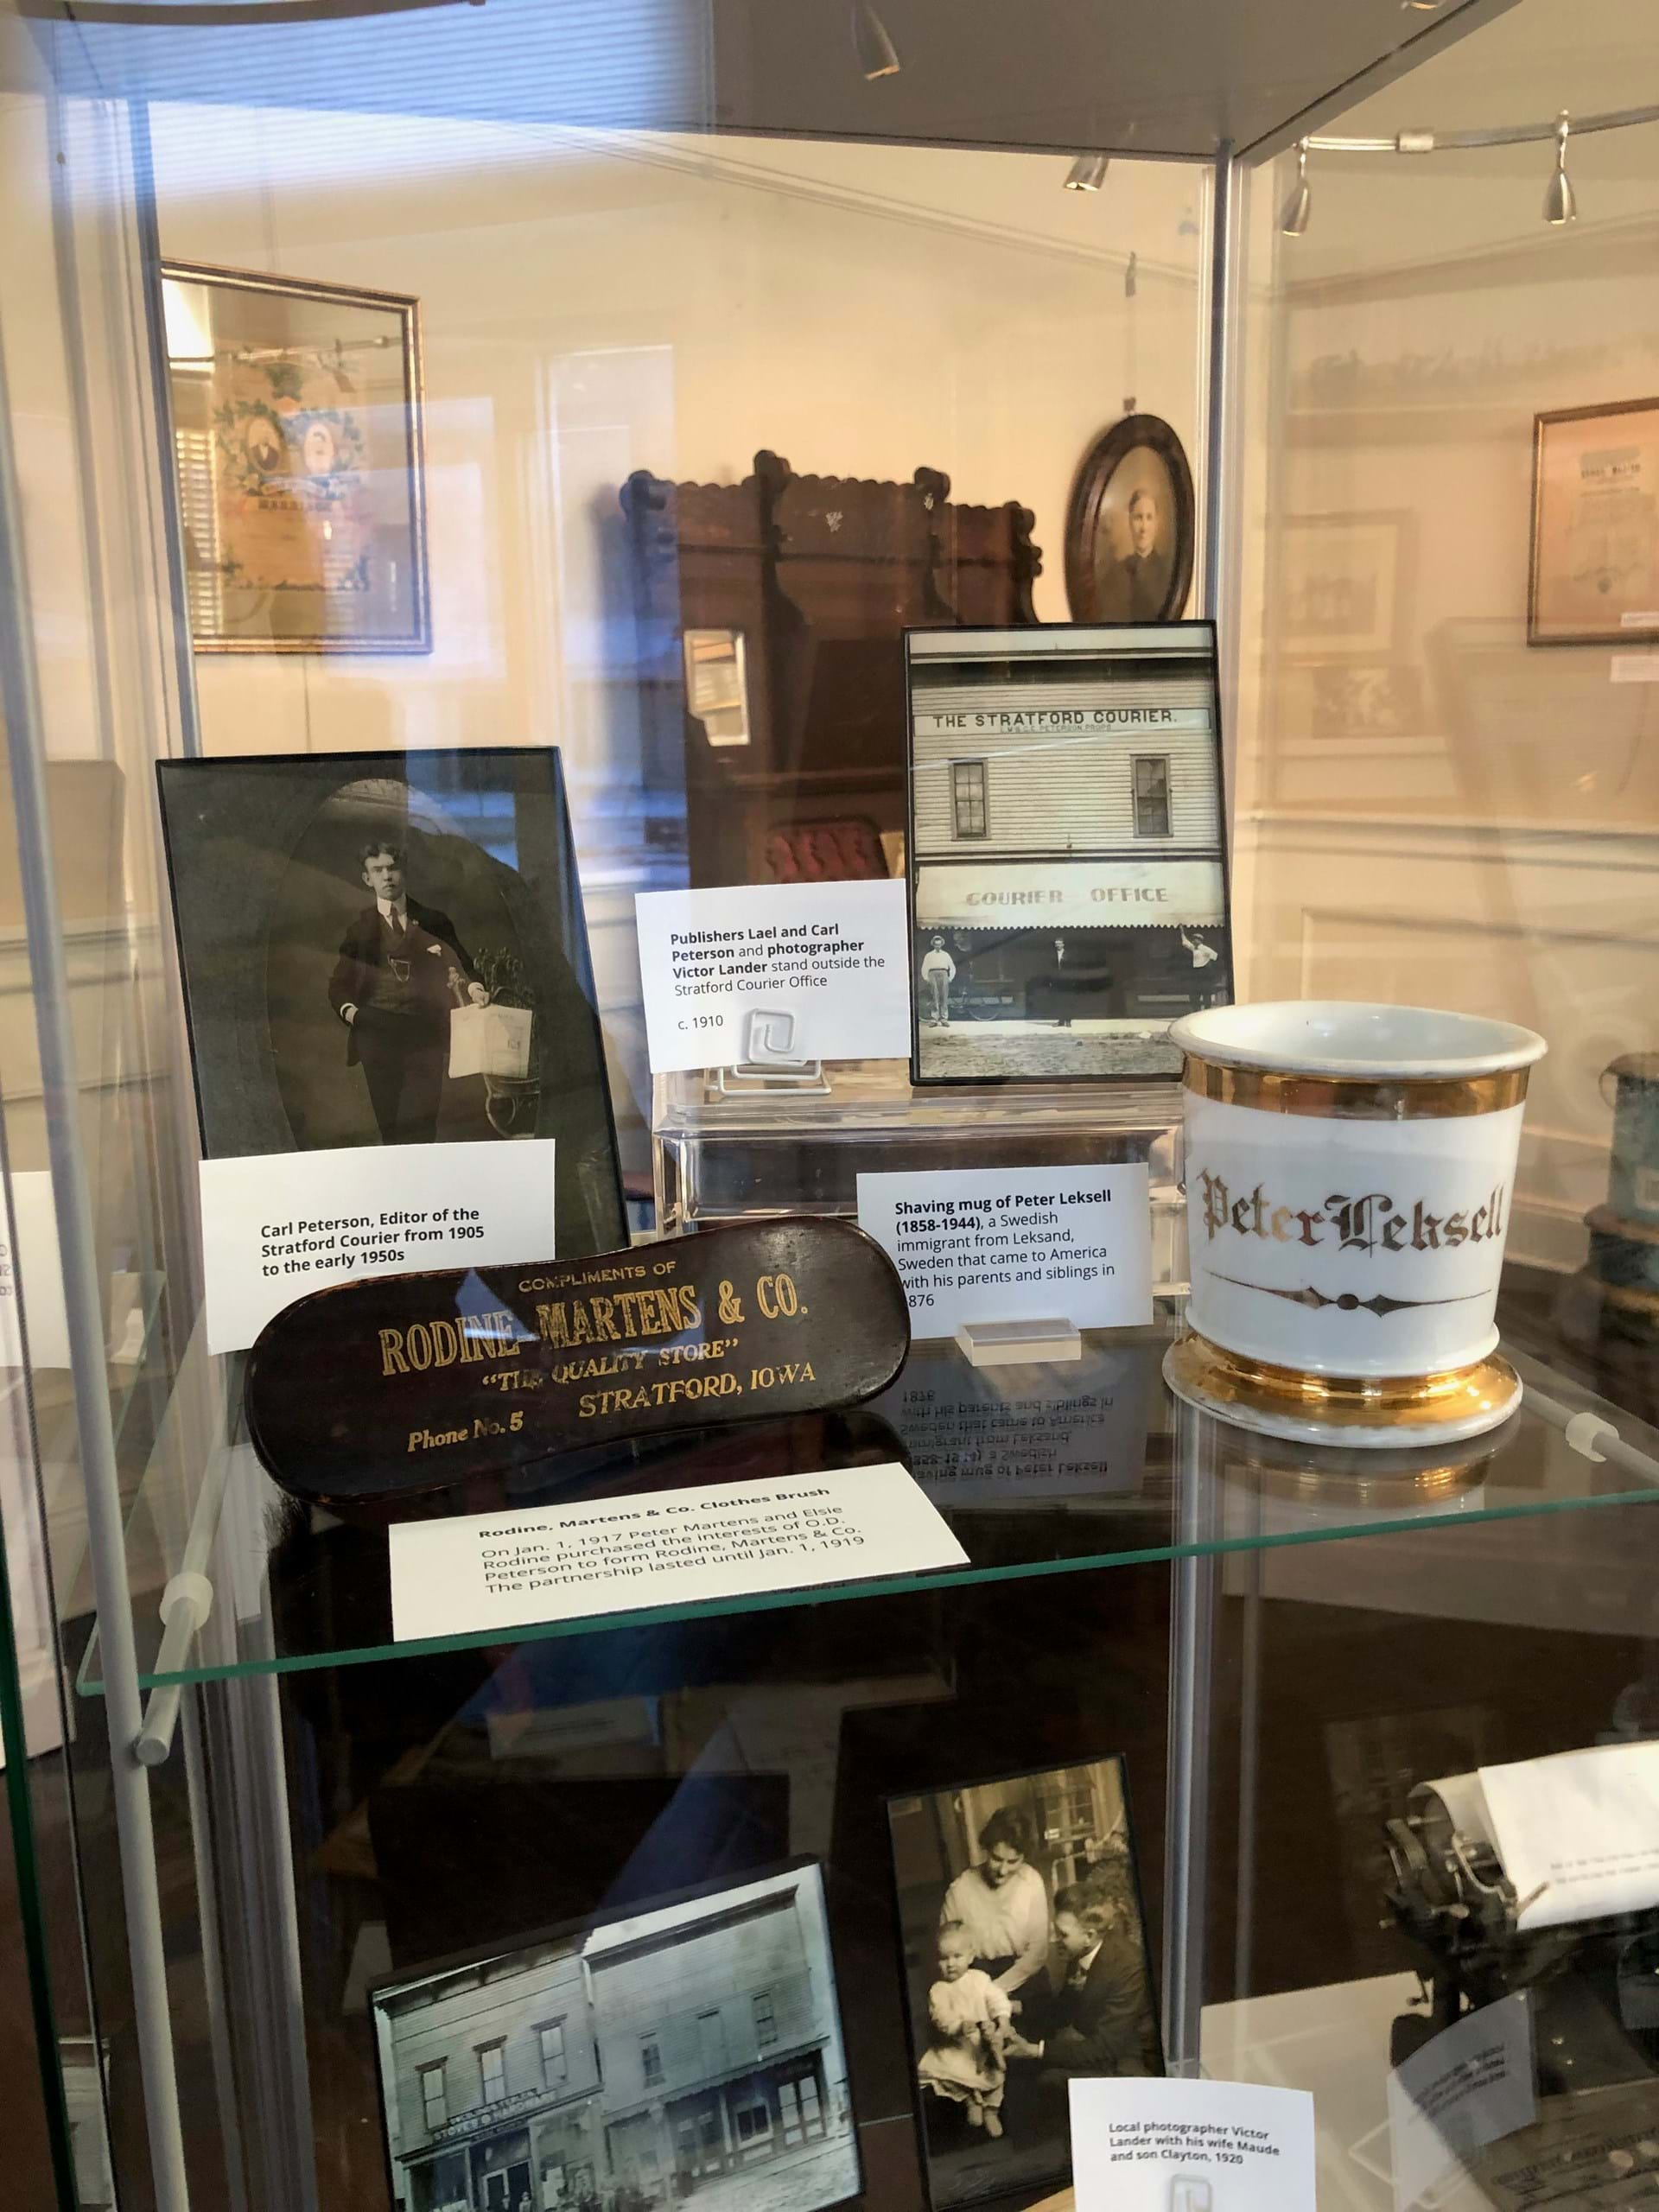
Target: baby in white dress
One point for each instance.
(970, 2018)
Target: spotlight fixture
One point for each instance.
(877, 55)
(1086, 173)
(1561, 206)
(1293, 219)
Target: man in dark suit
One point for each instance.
(1137, 587)
(401, 969)
(1100, 2019)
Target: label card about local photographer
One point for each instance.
(1016, 1244)
(274, 1229)
(1191, 2146)
(775, 977)
(662, 1547)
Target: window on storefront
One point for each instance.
(651, 2058)
(754, 2122)
(435, 2100)
(1151, 795)
(491, 2071)
(555, 2065)
(968, 797)
(765, 2017)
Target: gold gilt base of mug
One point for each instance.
(1376, 1411)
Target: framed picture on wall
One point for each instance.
(1342, 586)
(297, 434)
(1595, 525)
(388, 949)
(1131, 529)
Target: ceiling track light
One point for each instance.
(877, 54)
(1087, 173)
(1560, 203)
(1292, 218)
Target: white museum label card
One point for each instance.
(1191, 2146)
(1467, 2087)
(275, 1227)
(1016, 1244)
(662, 1547)
(775, 975)
(1578, 1833)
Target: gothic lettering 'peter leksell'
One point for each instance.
(417, 1382)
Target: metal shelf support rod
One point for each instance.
(20, 699)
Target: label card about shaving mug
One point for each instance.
(774, 976)
(274, 1229)
(1016, 1244)
(724, 1540)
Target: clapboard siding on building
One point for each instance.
(1044, 794)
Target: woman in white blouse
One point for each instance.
(1002, 1904)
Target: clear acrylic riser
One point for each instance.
(728, 1146)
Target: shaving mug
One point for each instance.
(1349, 1175)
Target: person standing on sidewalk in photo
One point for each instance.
(939, 973)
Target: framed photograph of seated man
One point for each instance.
(1026, 1966)
(1067, 848)
(388, 949)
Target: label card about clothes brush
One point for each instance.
(273, 1229)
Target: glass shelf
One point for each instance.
(1039, 1471)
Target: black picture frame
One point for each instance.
(1025, 2178)
(263, 855)
(1092, 554)
(1039, 859)
(571, 1938)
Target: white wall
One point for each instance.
(1497, 851)
(591, 306)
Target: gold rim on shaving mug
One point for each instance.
(1349, 1172)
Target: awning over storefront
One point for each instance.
(1070, 894)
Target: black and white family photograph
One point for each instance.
(689, 2052)
(388, 949)
(1067, 864)
(1026, 1966)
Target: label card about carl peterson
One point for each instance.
(1191, 2146)
(274, 1229)
(775, 975)
(663, 1547)
(1016, 1244)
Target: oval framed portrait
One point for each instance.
(1129, 530)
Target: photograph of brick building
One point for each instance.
(1069, 884)
(690, 2050)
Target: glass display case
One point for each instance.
(1087, 516)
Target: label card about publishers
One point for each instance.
(275, 1227)
(1191, 2146)
(1016, 1244)
(775, 975)
(663, 1547)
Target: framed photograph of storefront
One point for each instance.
(631, 2059)
(297, 442)
(1595, 526)
(1067, 852)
